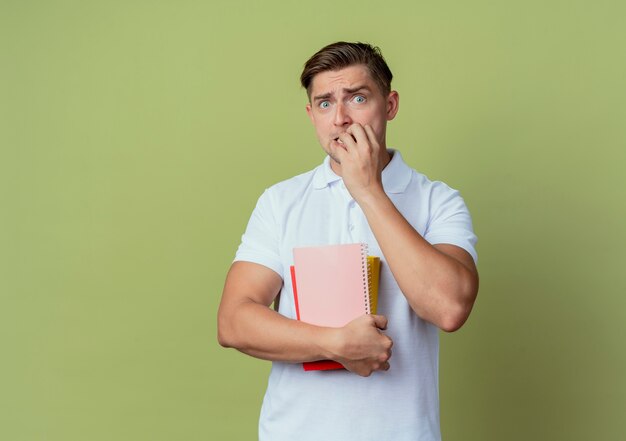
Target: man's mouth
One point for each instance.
(339, 141)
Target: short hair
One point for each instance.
(342, 54)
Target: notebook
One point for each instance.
(333, 285)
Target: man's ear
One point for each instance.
(309, 112)
(393, 104)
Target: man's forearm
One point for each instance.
(359, 346)
(263, 333)
(246, 322)
(438, 287)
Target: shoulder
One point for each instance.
(399, 177)
(292, 188)
(448, 220)
(434, 192)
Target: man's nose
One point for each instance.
(342, 115)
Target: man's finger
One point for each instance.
(347, 140)
(372, 137)
(380, 321)
(360, 135)
(337, 152)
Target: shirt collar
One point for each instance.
(396, 175)
(324, 175)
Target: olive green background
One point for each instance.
(136, 137)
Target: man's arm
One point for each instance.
(246, 322)
(440, 282)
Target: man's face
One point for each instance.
(343, 97)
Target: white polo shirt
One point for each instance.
(402, 403)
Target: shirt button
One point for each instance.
(351, 227)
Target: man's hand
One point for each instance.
(246, 322)
(361, 347)
(362, 160)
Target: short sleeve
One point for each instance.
(260, 242)
(450, 221)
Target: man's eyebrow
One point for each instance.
(356, 89)
(350, 90)
(322, 97)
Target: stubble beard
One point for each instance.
(331, 155)
(334, 158)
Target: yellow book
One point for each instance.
(373, 276)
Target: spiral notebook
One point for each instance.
(333, 285)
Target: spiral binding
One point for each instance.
(367, 278)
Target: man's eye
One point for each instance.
(324, 105)
(359, 99)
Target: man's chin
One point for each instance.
(332, 157)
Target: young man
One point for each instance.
(363, 192)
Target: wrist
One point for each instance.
(329, 343)
(372, 198)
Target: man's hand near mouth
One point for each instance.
(362, 160)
